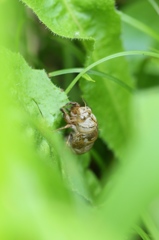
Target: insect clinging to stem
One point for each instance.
(84, 125)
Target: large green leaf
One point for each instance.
(108, 100)
(64, 18)
(97, 21)
(34, 89)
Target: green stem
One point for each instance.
(65, 71)
(116, 55)
(92, 72)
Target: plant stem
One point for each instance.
(107, 58)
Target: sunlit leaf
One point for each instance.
(35, 90)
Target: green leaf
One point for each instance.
(34, 89)
(88, 78)
(108, 101)
(65, 18)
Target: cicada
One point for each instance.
(83, 124)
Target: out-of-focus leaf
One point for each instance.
(11, 27)
(148, 74)
(94, 183)
(135, 37)
(72, 172)
(155, 5)
(136, 182)
(151, 220)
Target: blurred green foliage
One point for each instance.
(47, 192)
